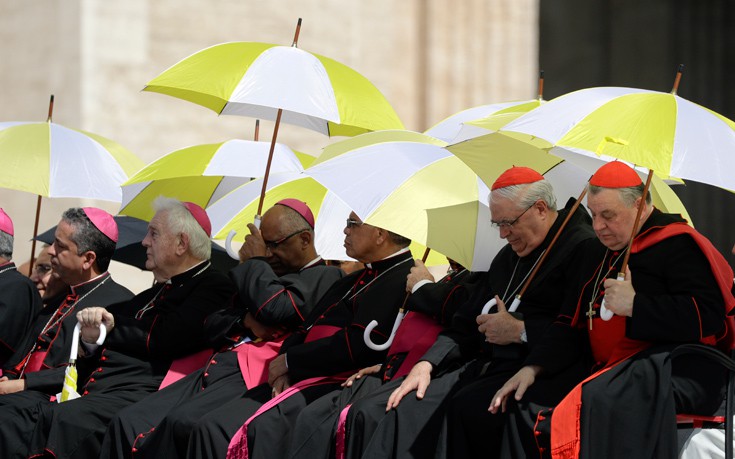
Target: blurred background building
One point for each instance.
(430, 58)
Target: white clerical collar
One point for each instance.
(403, 250)
(312, 263)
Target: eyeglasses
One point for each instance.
(353, 223)
(273, 245)
(504, 224)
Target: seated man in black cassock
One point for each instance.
(144, 335)
(317, 430)
(84, 242)
(50, 287)
(19, 299)
(676, 290)
(325, 350)
(279, 281)
(465, 364)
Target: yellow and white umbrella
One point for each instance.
(654, 130)
(203, 173)
(69, 389)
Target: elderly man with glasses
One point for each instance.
(278, 282)
(441, 405)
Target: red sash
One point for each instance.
(320, 331)
(35, 362)
(565, 422)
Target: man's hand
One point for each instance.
(619, 295)
(91, 318)
(261, 331)
(518, 384)
(363, 372)
(501, 327)
(254, 245)
(280, 384)
(277, 368)
(417, 380)
(10, 386)
(418, 273)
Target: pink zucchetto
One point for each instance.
(102, 221)
(6, 224)
(200, 215)
(300, 207)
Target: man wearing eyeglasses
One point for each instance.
(454, 380)
(279, 280)
(48, 285)
(329, 344)
(19, 301)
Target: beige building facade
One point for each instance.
(430, 58)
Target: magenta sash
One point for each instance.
(341, 437)
(254, 358)
(238, 448)
(184, 366)
(320, 331)
(415, 336)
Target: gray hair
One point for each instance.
(397, 239)
(6, 245)
(180, 221)
(88, 237)
(627, 194)
(526, 194)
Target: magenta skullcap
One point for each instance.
(102, 221)
(200, 215)
(300, 207)
(6, 224)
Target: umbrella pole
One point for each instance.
(605, 313)
(35, 232)
(257, 130)
(268, 165)
(517, 299)
(541, 85)
(677, 79)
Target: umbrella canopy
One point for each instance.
(51, 160)
(256, 79)
(234, 211)
(480, 120)
(491, 154)
(202, 173)
(648, 129)
(129, 249)
(392, 184)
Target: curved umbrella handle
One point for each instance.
(606, 314)
(513, 306)
(488, 306)
(75, 340)
(228, 241)
(381, 347)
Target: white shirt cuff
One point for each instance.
(420, 284)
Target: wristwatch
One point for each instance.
(524, 336)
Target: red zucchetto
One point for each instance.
(517, 176)
(615, 174)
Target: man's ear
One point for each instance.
(306, 238)
(183, 245)
(382, 236)
(89, 259)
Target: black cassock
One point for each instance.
(51, 334)
(466, 367)
(275, 301)
(313, 432)
(677, 301)
(374, 293)
(19, 304)
(155, 327)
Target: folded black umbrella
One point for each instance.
(130, 251)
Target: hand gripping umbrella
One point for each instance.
(69, 390)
